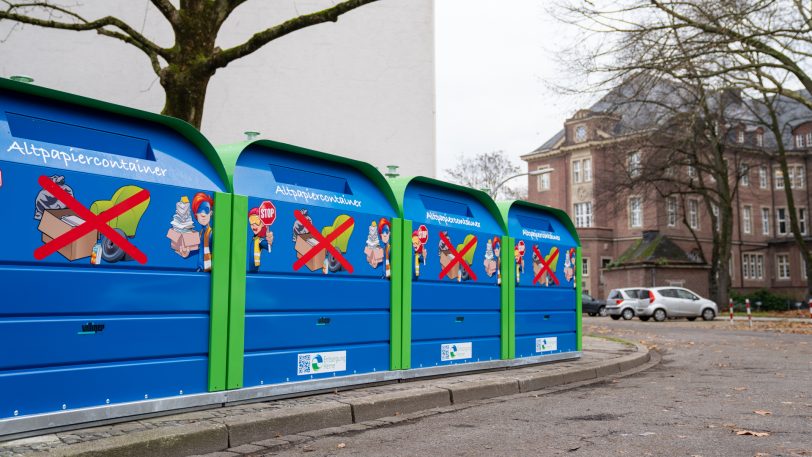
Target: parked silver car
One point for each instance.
(625, 302)
(672, 302)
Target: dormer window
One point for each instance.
(580, 133)
(799, 140)
(740, 136)
(809, 139)
(759, 138)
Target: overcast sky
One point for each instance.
(493, 64)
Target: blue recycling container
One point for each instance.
(452, 307)
(545, 262)
(313, 261)
(108, 266)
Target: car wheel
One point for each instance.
(691, 319)
(659, 315)
(614, 318)
(602, 311)
(708, 314)
(645, 318)
(591, 314)
(627, 314)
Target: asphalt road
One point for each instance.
(712, 384)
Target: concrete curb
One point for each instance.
(283, 427)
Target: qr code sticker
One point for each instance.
(445, 352)
(304, 364)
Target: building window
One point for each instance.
(691, 171)
(753, 266)
(800, 176)
(731, 268)
(543, 180)
(715, 211)
(633, 163)
(671, 210)
(759, 138)
(799, 141)
(747, 219)
(762, 177)
(587, 170)
(802, 220)
(796, 177)
(781, 220)
(693, 214)
(765, 221)
(803, 267)
(779, 179)
(744, 173)
(585, 267)
(576, 171)
(583, 214)
(809, 138)
(635, 212)
(782, 266)
(740, 136)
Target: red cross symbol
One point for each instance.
(457, 256)
(545, 266)
(92, 221)
(323, 242)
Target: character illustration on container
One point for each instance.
(385, 230)
(518, 253)
(56, 219)
(569, 265)
(203, 208)
(492, 260)
(419, 239)
(549, 264)
(262, 239)
(304, 241)
(373, 250)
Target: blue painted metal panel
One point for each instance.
(443, 289)
(435, 353)
(262, 368)
(313, 311)
(545, 281)
(541, 344)
(89, 323)
(42, 390)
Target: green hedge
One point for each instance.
(769, 301)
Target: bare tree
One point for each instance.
(487, 171)
(185, 68)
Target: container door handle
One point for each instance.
(459, 319)
(323, 321)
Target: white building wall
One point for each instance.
(362, 87)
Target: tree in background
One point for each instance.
(756, 47)
(486, 171)
(185, 68)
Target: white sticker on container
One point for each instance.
(456, 351)
(322, 362)
(547, 344)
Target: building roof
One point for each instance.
(654, 248)
(644, 104)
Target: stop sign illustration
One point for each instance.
(423, 234)
(267, 212)
(520, 247)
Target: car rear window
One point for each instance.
(615, 294)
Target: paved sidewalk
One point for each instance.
(263, 426)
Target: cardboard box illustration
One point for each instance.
(305, 243)
(53, 224)
(374, 255)
(180, 240)
(445, 259)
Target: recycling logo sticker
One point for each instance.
(547, 344)
(321, 362)
(456, 351)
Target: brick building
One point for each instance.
(620, 236)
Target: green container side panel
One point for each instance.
(511, 275)
(579, 337)
(236, 303)
(406, 294)
(218, 331)
(396, 294)
(505, 292)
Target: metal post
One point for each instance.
(731, 311)
(810, 308)
(749, 316)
